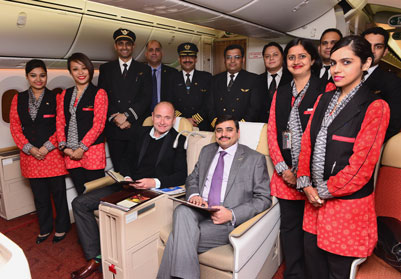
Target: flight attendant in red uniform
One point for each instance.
(290, 110)
(340, 149)
(81, 116)
(33, 128)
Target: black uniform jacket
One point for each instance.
(38, 131)
(167, 77)
(283, 109)
(171, 164)
(387, 86)
(132, 95)
(341, 134)
(193, 103)
(243, 101)
(266, 98)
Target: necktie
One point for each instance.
(125, 71)
(230, 84)
(325, 75)
(154, 90)
(217, 181)
(188, 83)
(273, 85)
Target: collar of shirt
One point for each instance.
(278, 77)
(152, 134)
(191, 74)
(231, 150)
(322, 70)
(370, 71)
(122, 62)
(158, 68)
(228, 77)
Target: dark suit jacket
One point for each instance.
(266, 98)
(242, 102)
(193, 104)
(167, 76)
(132, 95)
(388, 87)
(171, 165)
(247, 192)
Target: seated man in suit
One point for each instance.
(228, 176)
(152, 162)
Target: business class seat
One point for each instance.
(254, 249)
(387, 199)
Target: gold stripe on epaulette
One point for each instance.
(213, 122)
(198, 119)
(242, 120)
(177, 113)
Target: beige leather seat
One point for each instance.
(254, 250)
(387, 199)
(13, 262)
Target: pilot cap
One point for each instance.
(124, 34)
(187, 49)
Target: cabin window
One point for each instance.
(6, 104)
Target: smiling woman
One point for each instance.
(81, 117)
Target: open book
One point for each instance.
(118, 177)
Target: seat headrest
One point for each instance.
(392, 152)
(254, 135)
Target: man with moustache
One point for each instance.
(228, 176)
(191, 88)
(150, 162)
(385, 84)
(235, 91)
(128, 86)
(161, 74)
(328, 39)
(274, 76)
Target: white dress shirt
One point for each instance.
(370, 71)
(229, 78)
(228, 160)
(278, 77)
(191, 75)
(122, 64)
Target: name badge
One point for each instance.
(287, 138)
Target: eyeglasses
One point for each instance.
(236, 57)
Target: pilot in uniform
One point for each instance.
(235, 91)
(191, 88)
(129, 89)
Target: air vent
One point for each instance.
(137, 20)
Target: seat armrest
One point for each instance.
(98, 183)
(354, 267)
(244, 227)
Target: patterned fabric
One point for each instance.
(52, 165)
(72, 139)
(34, 103)
(319, 152)
(295, 126)
(33, 108)
(95, 157)
(277, 185)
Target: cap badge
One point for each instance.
(187, 47)
(125, 32)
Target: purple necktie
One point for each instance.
(217, 181)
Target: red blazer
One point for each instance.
(347, 226)
(52, 165)
(95, 157)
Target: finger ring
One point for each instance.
(316, 197)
